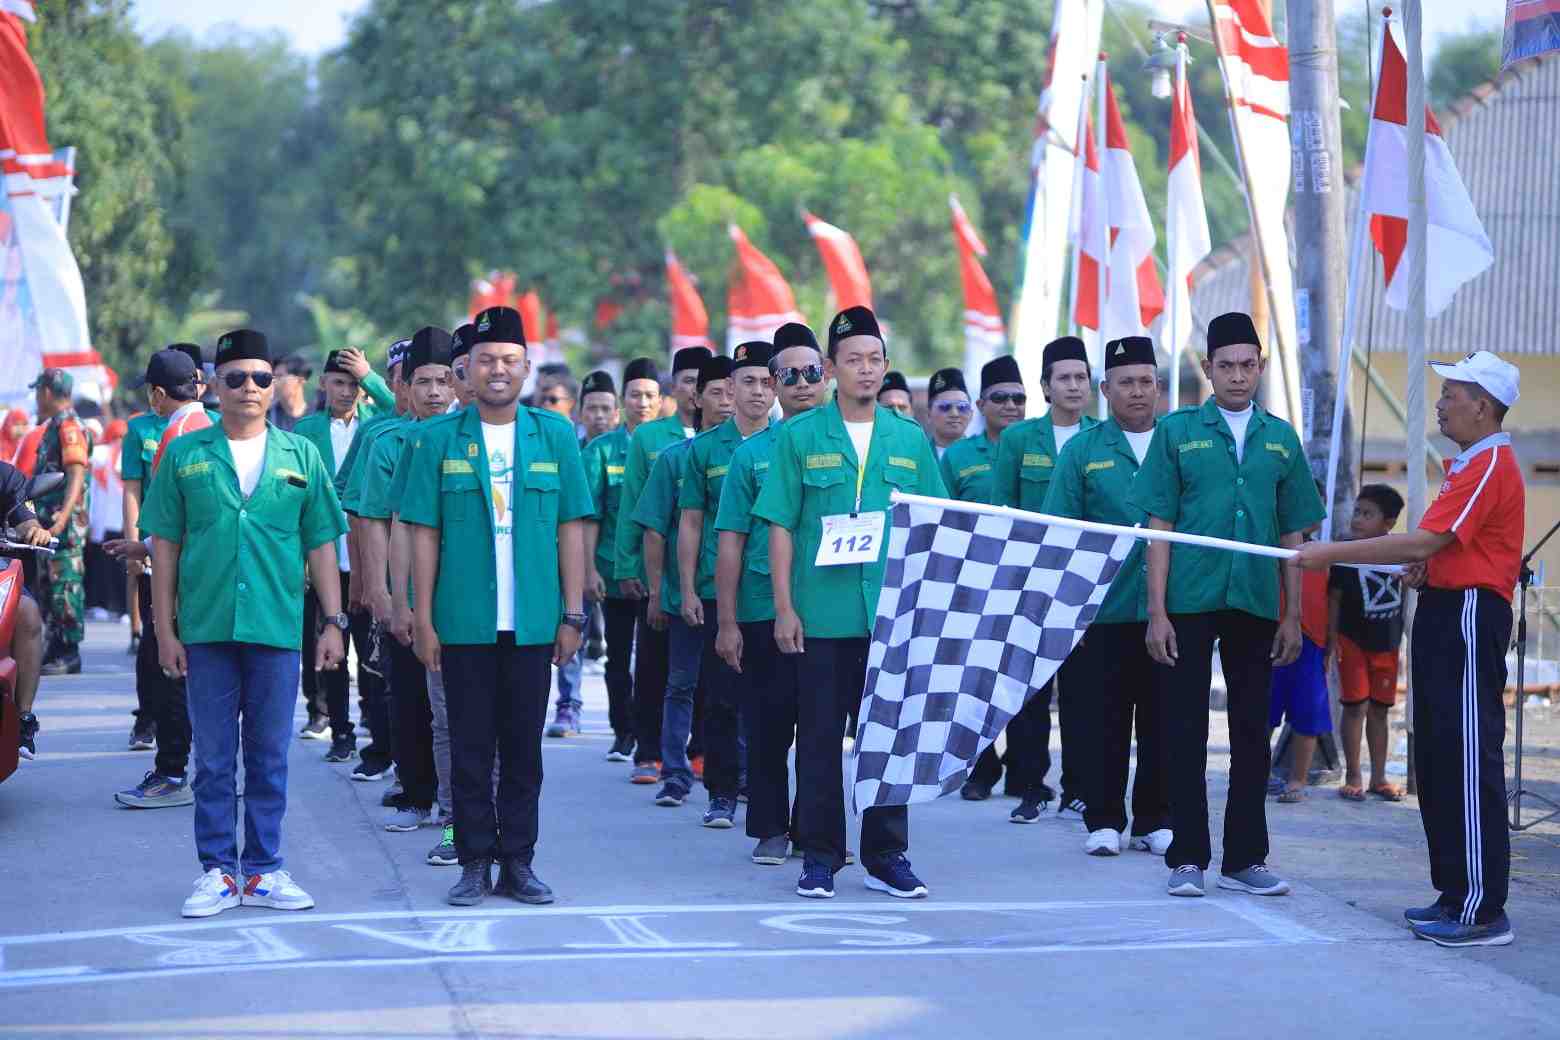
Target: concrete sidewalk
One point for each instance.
(665, 929)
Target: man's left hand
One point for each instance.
(328, 652)
(1312, 556)
(565, 644)
(1286, 642)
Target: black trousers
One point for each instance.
(164, 701)
(831, 674)
(1028, 755)
(1115, 676)
(618, 615)
(1245, 642)
(104, 577)
(651, 656)
(496, 697)
(724, 693)
(413, 727)
(1459, 675)
(376, 706)
(772, 705)
(328, 694)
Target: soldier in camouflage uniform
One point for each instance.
(66, 448)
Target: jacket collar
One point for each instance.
(1211, 416)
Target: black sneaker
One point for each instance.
(66, 662)
(722, 813)
(1449, 931)
(671, 795)
(342, 749)
(519, 882)
(29, 736)
(476, 882)
(143, 736)
(317, 729)
(772, 852)
(391, 799)
(896, 878)
(1031, 809)
(622, 750)
(816, 882)
(1071, 808)
(975, 791)
(367, 772)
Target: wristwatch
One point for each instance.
(576, 621)
(341, 621)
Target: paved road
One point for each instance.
(664, 929)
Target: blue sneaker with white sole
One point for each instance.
(816, 882)
(895, 878)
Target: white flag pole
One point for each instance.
(1075, 209)
(1358, 252)
(1102, 84)
(1171, 252)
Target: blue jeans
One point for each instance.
(258, 684)
(569, 674)
(682, 681)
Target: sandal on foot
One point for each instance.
(1351, 792)
(1292, 795)
(1387, 792)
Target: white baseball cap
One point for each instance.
(1499, 378)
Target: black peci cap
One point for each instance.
(794, 334)
(430, 346)
(754, 354)
(943, 380)
(1130, 350)
(1068, 348)
(999, 370)
(498, 325)
(717, 366)
(690, 357)
(1229, 329)
(641, 368)
(894, 380)
(853, 321)
(243, 345)
(598, 382)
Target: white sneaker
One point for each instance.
(214, 893)
(276, 890)
(1155, 842)
(1103, 842)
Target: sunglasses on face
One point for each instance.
(1004, 396)
(234, 380)
(792, 376)
(961, 407)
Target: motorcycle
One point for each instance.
(12, 579)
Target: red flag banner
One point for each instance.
(758, 298)
(690, 321)
(842, 260)
(984, 335)
(1532, 27)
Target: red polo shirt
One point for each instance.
(1483, 503)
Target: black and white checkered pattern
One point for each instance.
(977, 612)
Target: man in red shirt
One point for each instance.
(1465, 557)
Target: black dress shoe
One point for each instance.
(517, 881)
(975, 791)
(476, 881)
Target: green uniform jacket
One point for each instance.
(363, 448)
(1092, 481)
(969, 469)
(142, 434)
(709, 461)
(813, 474)
(605, 458)
(241, 562)
(1190, 479)
(380, 466)
(448, 487)
(657, 511)
(739, 493)
(647, 443)
(1026, 459)
(365, 433)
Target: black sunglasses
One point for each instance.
(234, 380)
(791, 376)
(1004, 396)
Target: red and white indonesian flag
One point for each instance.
(1457, 248)
(1075, 39)
(1256, 79)
(690, 321)
(983, 331)
(43, 304)
(1114, 227)
(847, 271)
(1186, 218)
(496, 290)
(758, 298)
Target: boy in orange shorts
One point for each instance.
(1365, 622)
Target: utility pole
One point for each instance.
(1418, 226)
(1320, 239)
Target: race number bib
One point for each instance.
(850, 539)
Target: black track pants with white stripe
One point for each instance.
(1459, 675)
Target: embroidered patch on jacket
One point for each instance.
(827, 460)
(900, 460)
(194, 469)
(982, 467)
(1186, 446)
(456, 466)
(544, 467)
(1032, 458)
(1106, 464)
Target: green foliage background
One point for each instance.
(353, 197)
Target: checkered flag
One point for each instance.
(978, 610)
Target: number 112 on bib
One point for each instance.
(850, 539)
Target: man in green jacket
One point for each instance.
(827, 501)
(1093, 481)
(652, 645)
(1026, 459)
(1229, 470)
(332, 431)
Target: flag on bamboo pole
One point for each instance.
(690, 321)
(529, 304)
(984, 334)
(1187, 240)
(496, 290)
(1532, 27)
(1075, 38)
(1455, 236)
(848, 279)
(1255, 67)
(758, 298)
(1115, 225)
(43, 303)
